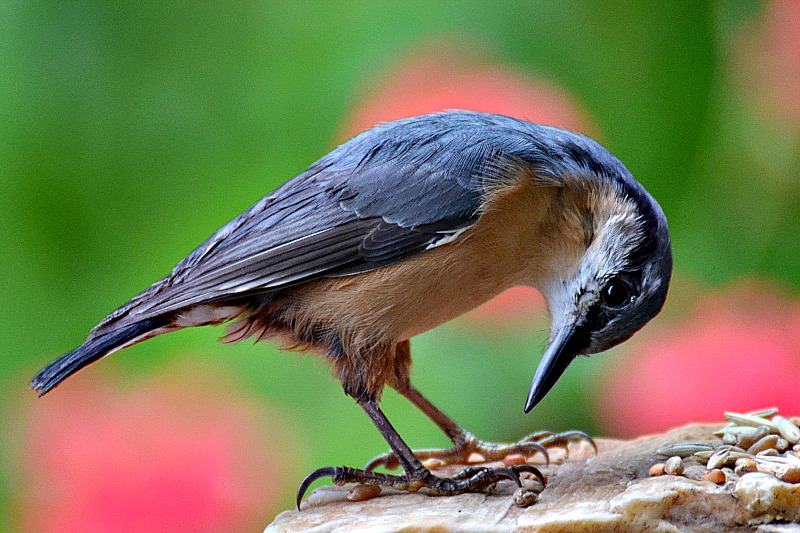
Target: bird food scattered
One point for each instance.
(715, 476)
(673, 466)
(761, 441)
(359, 493)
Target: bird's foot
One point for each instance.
(471, 479)
(466, 444)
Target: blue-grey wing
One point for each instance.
(385, 195)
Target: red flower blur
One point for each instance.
(737, 351)
(163, 456)
(443, 76)
(767, 56)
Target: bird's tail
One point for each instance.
(94, 348)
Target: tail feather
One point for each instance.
(90, 351)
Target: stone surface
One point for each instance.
(610, 491)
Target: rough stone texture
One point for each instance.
(611, 491)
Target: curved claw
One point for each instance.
(387, 460)
(548, 439)
(581, 436)
(328, 471)
(564, 438)
(518, 469)
(536, 447)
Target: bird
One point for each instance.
(400, 229)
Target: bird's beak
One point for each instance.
(559, 354)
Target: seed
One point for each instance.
(746, 461)
(684, 449)
(746, 436)
(719, 459)
(673, 466)
(795, 420)
(531, 483)
(728, 438)
(791, 475)
(524, 498)
(769, 411)
(796, 448)
(514, 459)
(750, 420)
(715, 476)
(657, 469)
(703, 456)
(359, 493)
(744, 465)
(782, 445)
(763, 444)
(787, 429)
(769, 452)
(784, 469)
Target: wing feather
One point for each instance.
(385, 195)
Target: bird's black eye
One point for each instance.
(616, 293)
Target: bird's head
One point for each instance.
(612, 282)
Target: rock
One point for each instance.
(611, 491)
(767, 498)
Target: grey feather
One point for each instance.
(385, 195)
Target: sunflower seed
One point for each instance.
(745, 436)
(786, 471)
(703, 456)
(750, 420)
(719, 459)
(684, 449)
(769, 411)
(763, 444)
(788, 431)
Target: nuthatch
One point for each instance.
(400, 229)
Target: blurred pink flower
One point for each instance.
(738, 350)
(767, 59)
(170, 456)
(443, 76)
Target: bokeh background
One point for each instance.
(130, 131)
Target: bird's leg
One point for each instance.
(465, 443)
(416, 476)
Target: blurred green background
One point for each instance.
(132, 131)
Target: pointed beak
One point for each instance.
(559, 354)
